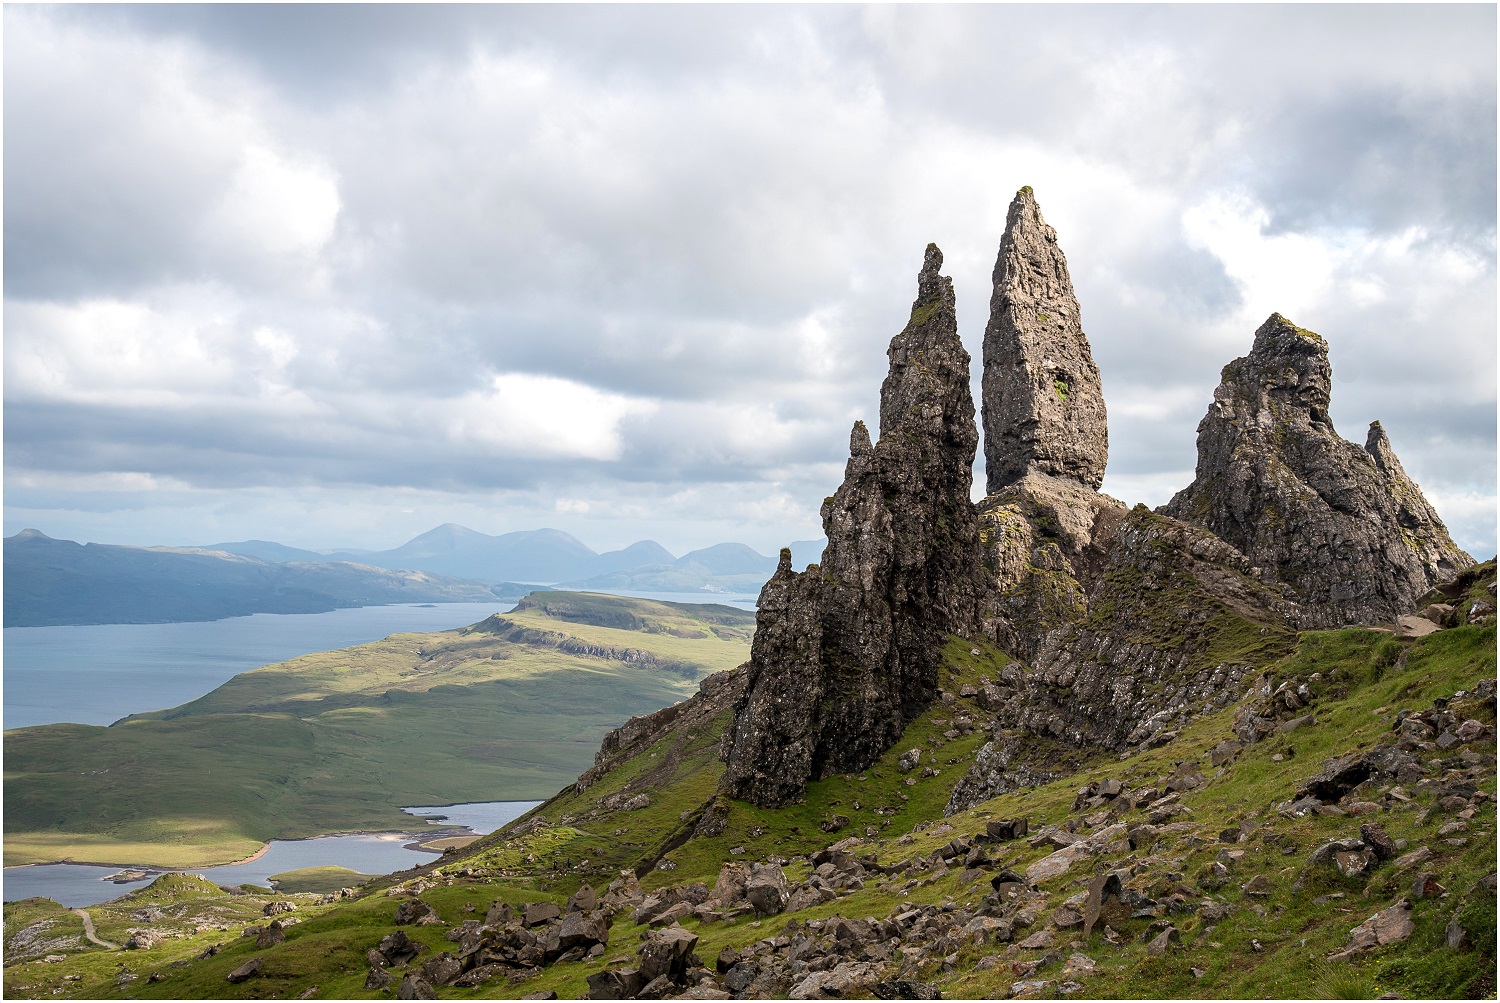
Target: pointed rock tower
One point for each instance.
(846, 653)
(1344, 526)
(1045, 526)
(1043, 403)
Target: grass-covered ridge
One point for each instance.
(338, 741)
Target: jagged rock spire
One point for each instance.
(1275, 480)
(846, 654)
(1421, 527)
(1043, 403)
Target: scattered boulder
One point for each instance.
(441, 970)
(616, 984)
(1103, 902)
(143, 940)
(396, 949)
(1385, 927)
(584, 899)
(415, 912)
(904, 989)
(847, 979)
(666, 953)
(1163, 942)
(1008, 829)
(1374, 836)
(540, 912)
(766, 889)
(246, 971)
(414, 987)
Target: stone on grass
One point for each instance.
(1387, 926)
(245, 971)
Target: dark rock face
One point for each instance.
(846, 654)
(1174, 622)
(1275, 480)
(1043, 403)
(1420, 526)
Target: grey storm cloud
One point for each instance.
(300, 271)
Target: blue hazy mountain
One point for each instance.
(50, 582)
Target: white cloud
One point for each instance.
(279, 207)
(650, 263)
(539, 416)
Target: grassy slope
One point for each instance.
(1361, 687)
(339, 740)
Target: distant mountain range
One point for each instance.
(555, 557)
(54, 582)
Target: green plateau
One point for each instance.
(508, 709)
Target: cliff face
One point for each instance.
(1277, 482)
(846, 653)
(1043, 403)
(1421, 529)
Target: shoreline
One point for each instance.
(437, 833)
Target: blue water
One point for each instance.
(77, 885)
(100, 673)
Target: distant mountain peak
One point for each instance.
(31, 534)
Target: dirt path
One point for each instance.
(88, 930)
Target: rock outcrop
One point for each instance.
(846, 653)
(1043, 403)
(1277, 482)
(1175, 623)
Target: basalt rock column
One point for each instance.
(1043, 403)
(846, 653)
(1275, 480)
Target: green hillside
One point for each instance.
(508, 709)
(1217, 847)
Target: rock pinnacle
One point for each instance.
(1043, 402)
(846, 653)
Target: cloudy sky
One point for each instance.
(335, 275)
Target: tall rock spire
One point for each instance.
(1043, 403)
(846, 654)
(1275, 480)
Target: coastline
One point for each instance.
(438, 833)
